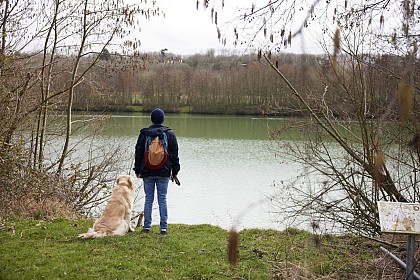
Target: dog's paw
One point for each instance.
(131, 229)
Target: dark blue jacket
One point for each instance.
(171, 166)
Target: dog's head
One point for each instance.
(126, 180)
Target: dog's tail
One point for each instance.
(92, 234)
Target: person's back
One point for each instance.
(156, 177)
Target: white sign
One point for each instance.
(399, 217)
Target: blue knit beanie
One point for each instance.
(157, 116)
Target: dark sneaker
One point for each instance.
(145, 230)
(163, 232)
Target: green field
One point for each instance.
(33, 249)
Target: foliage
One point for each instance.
(29, 192)
(50, 249)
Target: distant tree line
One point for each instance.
(221, 84)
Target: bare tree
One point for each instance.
(47, 49)
(361, 137)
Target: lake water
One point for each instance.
(228, 168)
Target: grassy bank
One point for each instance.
(33, 249)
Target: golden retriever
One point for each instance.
(115, 219)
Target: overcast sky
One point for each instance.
(185, 30)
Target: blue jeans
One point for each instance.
(161, 184)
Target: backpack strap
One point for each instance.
(165, 140)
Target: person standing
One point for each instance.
(156, 178)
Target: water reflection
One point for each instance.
(199, 126)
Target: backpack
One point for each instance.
(156, 151)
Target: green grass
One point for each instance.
(51, 250)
